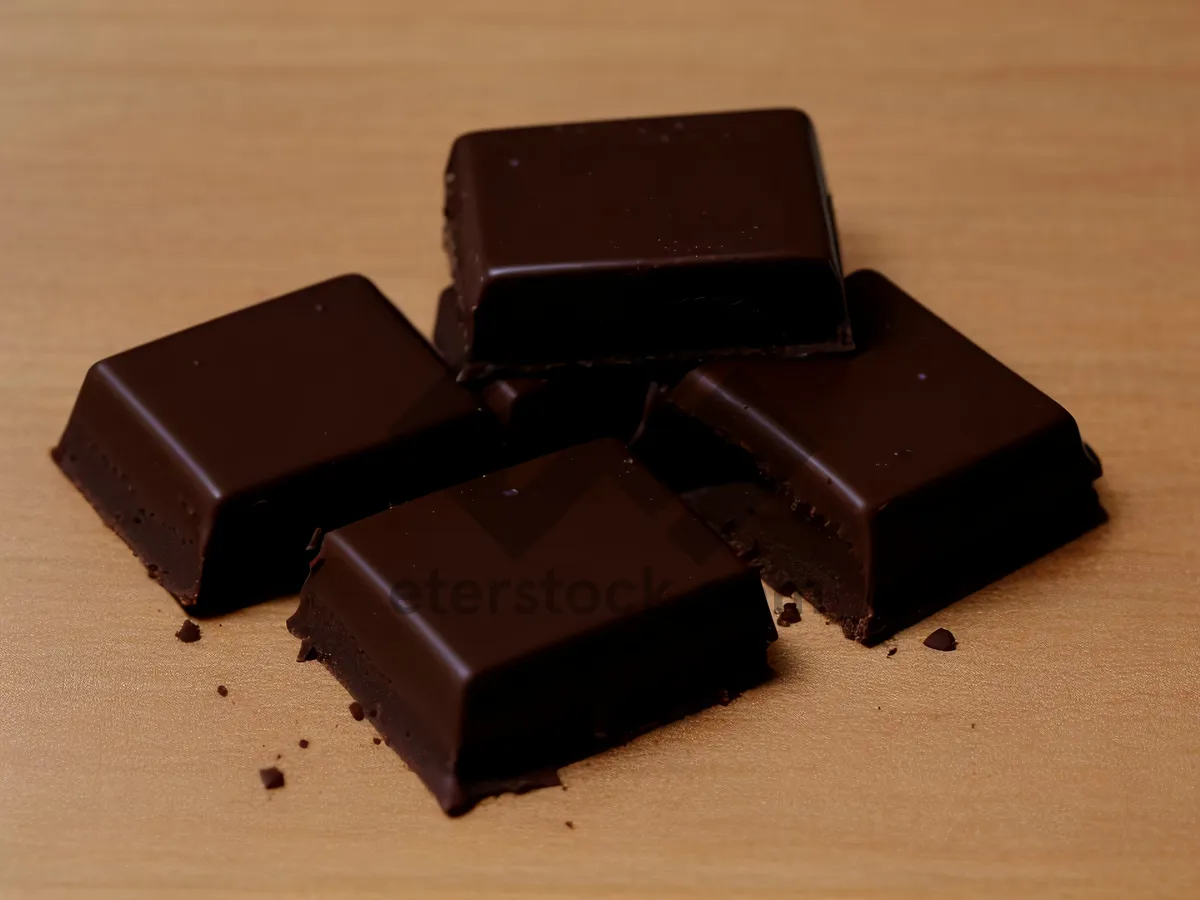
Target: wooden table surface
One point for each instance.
(1030, 170)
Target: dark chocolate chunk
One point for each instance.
(569, 824)
(789, 615)
(356, 710)
(942, 639)
(222, 690)
(491, 660)
(541, 415)
(892, 651)
(303, 744)
(272, 778)
(189, 632)
(880, 484)
(376, 740)
(667, 238)
(217, 451)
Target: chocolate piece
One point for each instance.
(668, 238)
(307, 652)
(570, 824)
(518, 622)
(942, 639)
(541, 415)
(189, 632)
(356, 710)
(222, 690)
(272, 778)
(881, 484)
(789, 615)
(892, 652)
(216, 452)
(376, 741)
(303, 744)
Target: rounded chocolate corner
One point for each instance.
(797, 113)
(868, 275)
(354, 280)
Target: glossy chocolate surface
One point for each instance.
(912, 451)
(515, 623)
(215, 452)
(667, 238)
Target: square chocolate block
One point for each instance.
(881, 484)
(673, 238)
(504, 627)
(216, 452)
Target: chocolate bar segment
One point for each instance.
(881, 484)
(541, 415)
(501, 628)
(673, 238)
(216, 452)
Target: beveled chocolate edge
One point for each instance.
(95, 460)
(316, 622)
(484, 372)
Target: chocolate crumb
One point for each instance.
(189, 632)
(307, 651)
(222, 690)
(356, 710)
(892, 651)
(377, 740)
(942, 639)
(271, 778)
(278, 756)
(972, 724)
(570, 824)
(303, 744)
(789, 615)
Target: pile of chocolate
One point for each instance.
(653, 389)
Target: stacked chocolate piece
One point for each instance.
(516, 550)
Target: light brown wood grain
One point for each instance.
(1027, 169)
